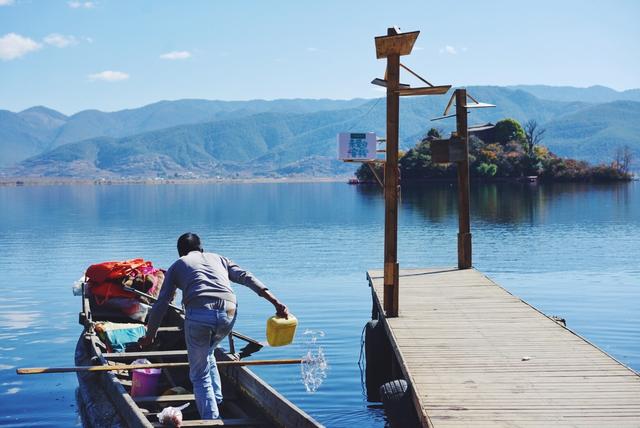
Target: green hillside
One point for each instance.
(592, 94)
(597, 130)
(282, 142)
(164, 114)
(27, 133)
(39, 129)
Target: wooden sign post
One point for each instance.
(456, 149)
(392, 47)
(464, 225)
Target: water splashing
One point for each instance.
(314, 364)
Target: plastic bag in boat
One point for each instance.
(172, 416)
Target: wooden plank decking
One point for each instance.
(477, 356)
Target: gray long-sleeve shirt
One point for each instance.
(201, 277)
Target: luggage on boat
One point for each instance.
(106, 279)
(119, 336)
(124, 308)
(106, 282)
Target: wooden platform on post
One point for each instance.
(477, 356)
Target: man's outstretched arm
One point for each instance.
(246, 278)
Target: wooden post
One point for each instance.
(392, 46)
(391, 267)
(464, 226)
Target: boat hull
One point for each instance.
(104, 398)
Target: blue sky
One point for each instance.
(111, 55)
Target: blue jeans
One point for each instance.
(204, 329)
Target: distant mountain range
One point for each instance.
(200, 138)
(39, 129)
(592, 94)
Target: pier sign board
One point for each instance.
(356, 146)
(446, 151)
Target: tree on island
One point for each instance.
(623, 159)
(533, 135)
(508, 130)
(416, 162)
(512, 153)
(434, 134)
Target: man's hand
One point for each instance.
(281, 309)
(146, 341)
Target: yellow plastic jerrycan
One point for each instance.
(280, 331)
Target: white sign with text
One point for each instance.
(353, 146)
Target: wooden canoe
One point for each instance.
(105, 401)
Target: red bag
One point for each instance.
(105, 279)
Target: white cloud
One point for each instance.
(109, 76)
(60, 40)
(88, 39)
(449, 49)
(174, 55)
(14, 46)
(6, 2)
(81, 4)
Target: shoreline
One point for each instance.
(62, 181)
(513, 180)
(68, 181)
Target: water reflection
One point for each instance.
(18, 320)
(507, 203)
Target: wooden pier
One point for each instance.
(476, 356)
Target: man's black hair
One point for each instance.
(188, 242)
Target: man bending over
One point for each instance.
(210, 313)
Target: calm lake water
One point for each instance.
(570, 250)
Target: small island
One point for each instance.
(504, 151)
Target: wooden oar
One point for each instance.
(40, 370)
